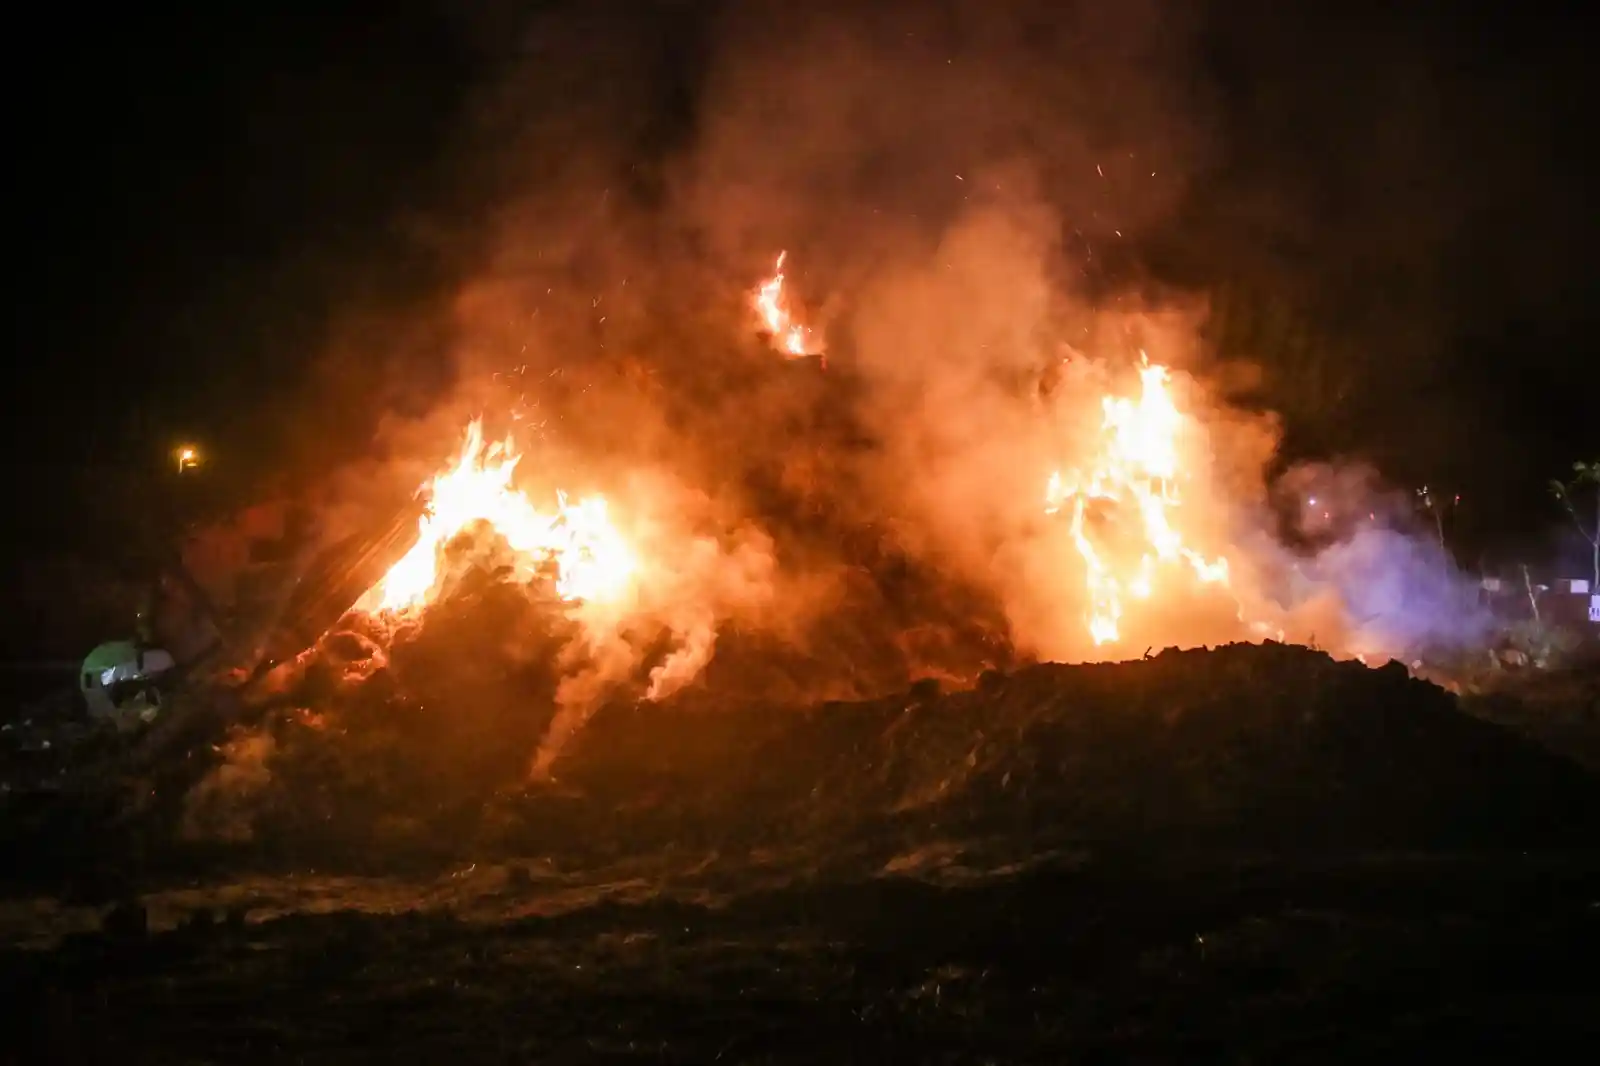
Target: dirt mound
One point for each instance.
(1267, 746)
(1263, 744)
(415, 748)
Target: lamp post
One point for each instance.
(183, 506)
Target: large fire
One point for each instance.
(1137, 464)
(576, 541)
(1124, 508)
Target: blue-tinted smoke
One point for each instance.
(1401, 593)
(1395, 588)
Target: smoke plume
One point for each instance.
(962, 211)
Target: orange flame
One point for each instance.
(1137, 463)
(592, 561)
(788, 336)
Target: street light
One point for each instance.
(187, 457)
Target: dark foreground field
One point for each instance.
(1072, 959)
(1124, 959)
(1247, 855)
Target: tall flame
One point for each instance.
(787, 335)
(1136, 463)
(590, 558)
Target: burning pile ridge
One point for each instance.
(1117, 534)
(1123, 509)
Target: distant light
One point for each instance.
(187, 457)
(1313, 501)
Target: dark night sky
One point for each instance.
(202, 193)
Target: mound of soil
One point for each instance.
(420, 756)
(1261, 745)
(1245, 746)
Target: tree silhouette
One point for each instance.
(1585, 478)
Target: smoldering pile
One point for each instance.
(422, 752)
(415, 728)
(384, 721)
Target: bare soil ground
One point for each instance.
(1248, 854)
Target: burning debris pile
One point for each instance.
(723, 646)
(1064, 506)
(510, 684)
